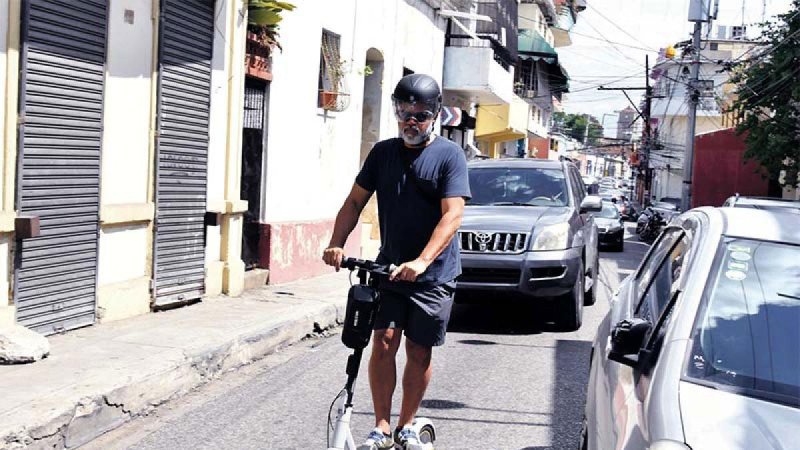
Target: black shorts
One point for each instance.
(421, 314)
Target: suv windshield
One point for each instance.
(517, 186)
(747, 332)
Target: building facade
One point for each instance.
(540, 79)
(118, 195)
(669, 113)
(357, 51)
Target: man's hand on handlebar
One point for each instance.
(409, 271)
(333, 257)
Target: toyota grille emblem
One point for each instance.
(483, 240)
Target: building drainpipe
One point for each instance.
(151, 147)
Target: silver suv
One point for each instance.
(529, 230)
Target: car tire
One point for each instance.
(584, 445)
(569, 307)
(590, 297)
(620, 246)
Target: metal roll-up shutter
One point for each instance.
(185, 47)
(58, 175)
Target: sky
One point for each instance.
(646, 24)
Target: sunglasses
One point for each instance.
(421, 116)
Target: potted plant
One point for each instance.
(262, 35)
(335, 72)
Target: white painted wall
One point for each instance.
(313, 155)
(126, 136)
(123, 253)
(126, 115)
(219, 104)
(3, 57)
(531, 18)
(218, 116)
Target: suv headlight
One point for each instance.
(552, 237)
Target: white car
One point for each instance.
(701, 345)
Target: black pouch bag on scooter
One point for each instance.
(362, 309)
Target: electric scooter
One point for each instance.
(363, 302)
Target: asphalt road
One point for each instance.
(503, 380)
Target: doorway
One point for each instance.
(370, 135)
(254, 135)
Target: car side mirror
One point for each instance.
(627, 339)
(591, 203)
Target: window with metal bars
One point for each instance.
(330, 65)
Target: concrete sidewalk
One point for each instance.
(99, 377)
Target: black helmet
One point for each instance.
(418, 88)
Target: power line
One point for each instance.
(610, 43)
(619, 28)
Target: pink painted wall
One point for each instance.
(293, 250)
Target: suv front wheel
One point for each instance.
(569, 307)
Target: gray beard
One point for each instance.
(417, 140)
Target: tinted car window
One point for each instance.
(664, 282)
(512, 185)
(747, 332)
(577, 186)
(651, 265)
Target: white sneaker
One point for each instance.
(407, 439)
(377, 441)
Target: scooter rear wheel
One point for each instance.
(426, 435)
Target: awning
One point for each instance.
(500, 123)
(531, 45)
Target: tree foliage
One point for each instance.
(768, 98)
(574, 126)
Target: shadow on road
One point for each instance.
(501, 317)
(569, 394)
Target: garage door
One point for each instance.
(186, 37)
(61, 106)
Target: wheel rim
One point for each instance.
(426, 436)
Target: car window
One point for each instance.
(576, 186)
(579, 183)
(747, 331)
(653, 260)
(518, 185)
(664, 282)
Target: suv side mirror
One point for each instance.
(627, 339)
(591, 203)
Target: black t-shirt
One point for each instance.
(409, 210)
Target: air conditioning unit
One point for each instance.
(739, 33)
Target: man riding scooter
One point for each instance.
(421, 183)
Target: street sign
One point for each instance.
(450, 116)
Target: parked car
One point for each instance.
(610, 229)
(700, 348)
(591, 184)
(529, 230)
(762, 203)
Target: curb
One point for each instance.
(94, 415)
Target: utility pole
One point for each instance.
(648, 102)
(694, 95)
